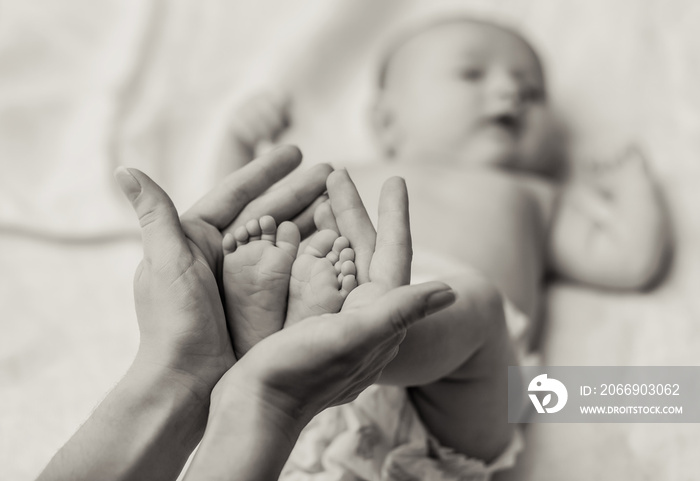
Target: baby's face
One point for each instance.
(464, 93)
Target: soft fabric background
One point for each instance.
(86, 85)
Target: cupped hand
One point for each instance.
(178, 304)
(328, 360)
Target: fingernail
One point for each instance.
(127, 182)
(439, 300)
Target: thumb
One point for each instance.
(161, 231)
(396, 311)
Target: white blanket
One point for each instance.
(86, 85)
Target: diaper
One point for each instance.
(380, 437)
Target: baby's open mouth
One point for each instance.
(508, 122)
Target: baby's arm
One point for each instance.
(261, 119)
(612, 232)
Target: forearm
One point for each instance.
(618, 244)
(144, 429)
(246, 439)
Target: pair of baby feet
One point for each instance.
(269, 285)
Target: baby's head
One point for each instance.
(464, 92)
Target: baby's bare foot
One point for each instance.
(257, 267)
(322, 277)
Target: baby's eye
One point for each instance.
(471, 73)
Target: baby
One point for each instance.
(461, 114)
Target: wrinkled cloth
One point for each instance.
(380, 437)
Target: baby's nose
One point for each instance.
(504, 95)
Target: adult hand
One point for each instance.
(332, 358)
(328, 360)
(149, 424)
(261, 404)
(382, 257)
(178, 305)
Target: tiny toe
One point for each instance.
(348, 284)
(333, 257)
(268, 228)
(321, 243)
(348, 268)
(228, 243)
(241, 235)
(254, 230)
(347, 254)
(288, 238)
(340, 244)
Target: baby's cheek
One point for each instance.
(441, 126)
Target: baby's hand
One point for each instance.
(260, 119)
(626, 169)
(611, 229)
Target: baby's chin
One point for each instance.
(481, 153)
(488, 153)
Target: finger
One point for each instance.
(352, 219)
(223, 204)
(351, 392)
(289, 199)
(391, 263)
(161, 231)
(392, 314)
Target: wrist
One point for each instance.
(247, 434)
(187, 377)
(237, 393)
(174, 383)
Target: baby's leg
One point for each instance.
(257, 268)
(457, 364)
(456, 361)
(322, 277)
